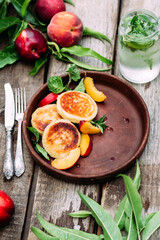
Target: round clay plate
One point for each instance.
(123, 140)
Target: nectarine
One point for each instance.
(87, 127)
(68, 161)
(95, 94)
(65, 28)
(85, 145)
(46, 9)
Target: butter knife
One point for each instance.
(9, 117)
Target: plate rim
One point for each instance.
(70, 177)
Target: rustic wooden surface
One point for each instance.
(53, 198)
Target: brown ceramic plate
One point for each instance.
(120, 145)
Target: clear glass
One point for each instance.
(139, 55)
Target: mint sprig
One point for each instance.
(101, 123)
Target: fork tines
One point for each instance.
(20, 100)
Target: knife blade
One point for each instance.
(9, 118)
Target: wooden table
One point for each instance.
(53, 198)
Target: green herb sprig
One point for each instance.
(100, 123)
(128, 218)
(37, 147)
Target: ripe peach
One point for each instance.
(46, 9)
(65, 28)
(85, 145)
(68, 161)
(91, 90)
(87, 127)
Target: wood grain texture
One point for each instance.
(54, 198)
(113, 192)
(17, 188)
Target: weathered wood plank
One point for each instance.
(150, 159)
(17, 188)
(55, 198)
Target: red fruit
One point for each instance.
(46, 9)
(85, 145)
(31, 45)
(6, 208)
(66, 29)
(51, 97)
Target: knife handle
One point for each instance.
(8, 169)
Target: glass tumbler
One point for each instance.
(139, 46)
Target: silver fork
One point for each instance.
(20, 105)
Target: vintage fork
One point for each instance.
(20, 105)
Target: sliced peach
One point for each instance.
(85, 145)
(91, 90)
(68, 161)
(87, 127)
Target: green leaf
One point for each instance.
(81, 52)
(103, 218)
(41, 235)
(3, 8)
(8, 56)
(24, 8)
(74, 73)
(80, 87)
(135, 201)
(38, 64)
(83, 65)
(41, 151)
(100, 123)
(66, 233)
(14, 33)
(8, 22)
(146, 219)
(69, 1)
(90, 32)
(80, 214)
(132, 231)
(35, 132)
(152, 226)
(55, 84)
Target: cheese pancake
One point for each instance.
(43, 116)
(76, 106)
(60, 137)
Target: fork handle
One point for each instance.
(19, 161)
(8, 168)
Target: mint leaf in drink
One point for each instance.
(80, 87)
(101, 123)
(55, 84)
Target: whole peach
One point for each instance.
(66, 29)
(46, 9)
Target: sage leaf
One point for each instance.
(8, 56)
(80, 87)
(90, 32)
(135, 201)
(103, 218)
(83, 65)
(8, 22)
(35, 132)
(69, 1)
(81, 52)
(152, 226)
(66, 233)
(42, 235)
(41, 151)
(38, 64)
(80, 214)
(131, 228)
(24, 8)
(55, 84)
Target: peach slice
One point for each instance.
(87, 127)
(92, 91)
(68, 161)
(85, 145)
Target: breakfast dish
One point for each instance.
(76, 106)
(60, 137)
(43, 116)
